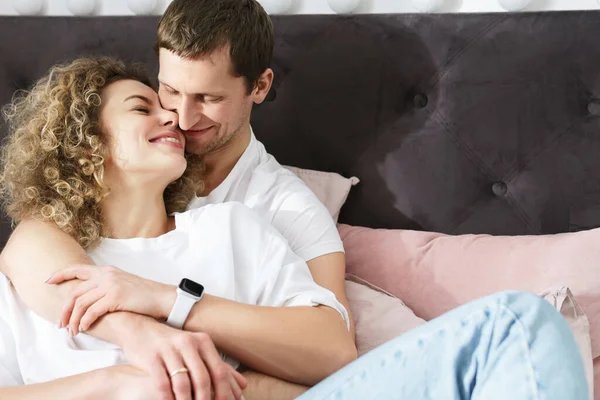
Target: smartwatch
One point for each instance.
(188, 294)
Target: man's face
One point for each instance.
(213, 105)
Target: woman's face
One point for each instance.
(144, 142)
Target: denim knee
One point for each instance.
(529, 307)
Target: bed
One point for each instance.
(454, 123)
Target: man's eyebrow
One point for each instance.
(194, 94)
(139, 97)
(165, 84)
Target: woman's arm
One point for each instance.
(284, 324)
(301, 344)
(37, 249)
(116, 383)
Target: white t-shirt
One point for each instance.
(235, 254)
(282, 199)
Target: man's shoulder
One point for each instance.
(222, 214)
(270, 176)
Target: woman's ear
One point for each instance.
(263, 85)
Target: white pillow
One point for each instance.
(331, 188)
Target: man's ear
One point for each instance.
(263, 85)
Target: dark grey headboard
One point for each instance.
(454, 123)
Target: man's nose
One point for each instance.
(189, 115)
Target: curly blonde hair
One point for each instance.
(53, 159)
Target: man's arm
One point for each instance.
(299, 344)
(265, 387)
(329, 271)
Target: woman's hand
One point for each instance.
(108, 289)
(131, 383)
(163, 351)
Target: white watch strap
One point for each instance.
(181, 309)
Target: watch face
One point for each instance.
(191, 287)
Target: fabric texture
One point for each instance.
(281, 198)
(563, 300)
(235, 254)
(433, 273)
(9, 363)
(330, 188)
(378, 316)
(510, 345)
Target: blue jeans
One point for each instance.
(508, 346)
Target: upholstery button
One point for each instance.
(499, 188)
(420, 100)
(594, 107)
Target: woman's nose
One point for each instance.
(171, 118)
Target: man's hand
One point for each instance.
(108, 289)
(161, 350)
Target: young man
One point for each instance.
(214, 65)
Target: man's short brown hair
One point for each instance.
(196, 28)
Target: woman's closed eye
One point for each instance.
(141, 109)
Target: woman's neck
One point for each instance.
(135, 213)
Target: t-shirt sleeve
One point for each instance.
(9, 366)
(304, 221)
(281, 278)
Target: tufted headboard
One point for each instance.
(459, 123)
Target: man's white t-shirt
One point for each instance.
(282, 199)
(230, 250)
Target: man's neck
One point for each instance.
(220, 162)
(135, 213)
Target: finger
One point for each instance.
(158, 371)
(180, 383)
(81, 305)
(219, 370)
(222, 382)
(240, 379)
(78, 291)
(80, 272)
(100, 308)
(199, 376)
(236, 390)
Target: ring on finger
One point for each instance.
(178, 371)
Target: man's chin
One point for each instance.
(197, 150)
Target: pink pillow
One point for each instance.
(434, 273)
(379, 317)
(331, 189)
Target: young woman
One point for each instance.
(92, 151)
